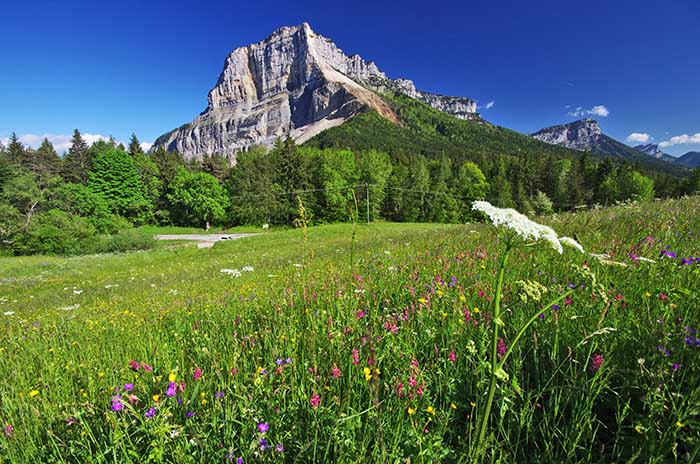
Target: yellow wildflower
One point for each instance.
(368, 373)
(430, 410)
(453, 406)
(475, 310)
(156, 397)
(172, 377)
(462, 298)
(33, 393)
(411, 411)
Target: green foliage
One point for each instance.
(115, 178)
(254, 196)
(56, 232)
(334, 174)
(79, 200)
(374, 169)
(198, 199)
(77, 163)
(542, 204)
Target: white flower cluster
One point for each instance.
(524, 227)
(568, 241)
(236, 272)
(231, 272)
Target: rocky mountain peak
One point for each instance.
(294, 82)
(579, 135)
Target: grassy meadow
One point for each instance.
(314, 347)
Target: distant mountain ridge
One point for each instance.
(690, 160)
(654, 150)
(586, 135)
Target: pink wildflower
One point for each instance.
(315, 400)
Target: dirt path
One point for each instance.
(205, 240)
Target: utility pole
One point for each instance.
(367, 188)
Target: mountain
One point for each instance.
(294, 82)
(579, 135)
(586, 135)
(690, 159)
(653, 150)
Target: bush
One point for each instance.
(56, 232)
(126, 240)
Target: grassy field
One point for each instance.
(312, 347)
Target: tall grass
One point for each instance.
(386, 364)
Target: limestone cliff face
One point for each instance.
(295, 82)
(579, 135)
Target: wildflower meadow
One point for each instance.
(569, 338)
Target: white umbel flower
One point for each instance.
(568, 241)
(231, 272)
(521, 224)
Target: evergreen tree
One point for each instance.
(78, 161)
(291, 174)
(217, 166)
(15, 150)
(46, 161)
(254, 197)
(135, 146)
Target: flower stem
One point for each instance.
(528, 324)
(494, 348)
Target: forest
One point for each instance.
(90, 199)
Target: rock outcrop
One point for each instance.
(579, 135)
(654, 150)
(294, 82)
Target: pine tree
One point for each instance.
(46, 162)
(291, 174)
(15, 150)
(134, 146)
(78, 162)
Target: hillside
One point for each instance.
(428, 132)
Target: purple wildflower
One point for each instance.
(128, 386)
(218, 395)
(279, 448)
(555, 307)
(150, 413)
(501, 348)
(288, 360)
(171, 391)
(117, 404)
(189, 414)
(676, 366)
(263, 427)
(596, 361)
(279, 362)
(263, 444)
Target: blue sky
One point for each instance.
(146, 67)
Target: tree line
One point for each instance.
(90, 199)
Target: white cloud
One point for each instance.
(636, 137)
(60, 142)
(487, 106)
(145, 146)
(598, 110)
(684, 139)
